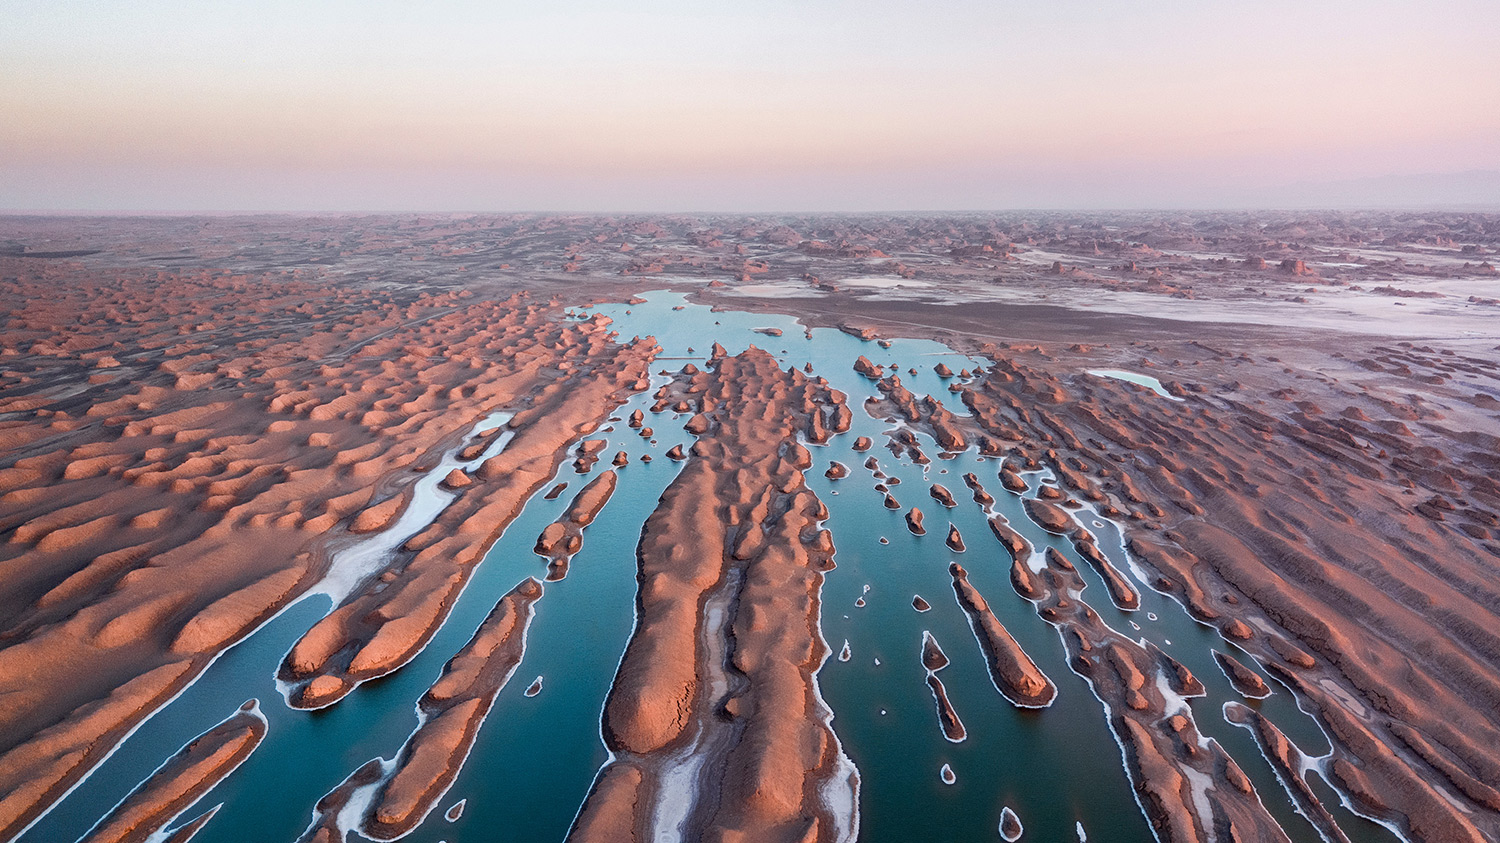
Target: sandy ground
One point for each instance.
(196, 414)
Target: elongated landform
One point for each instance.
(183, 778)
(1015, 675)
(564, 537)
(934, 660)
(715, 723)
(1290, 766)
(451, 712)
(1291, 464)
(1246, 545)
(1187, 784)
(386, 622)
(240, 431)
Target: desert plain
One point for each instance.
(1180, 526)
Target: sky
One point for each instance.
(752, 105)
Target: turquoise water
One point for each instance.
(1136, 378)
(536, 757)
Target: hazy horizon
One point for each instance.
(759, 107)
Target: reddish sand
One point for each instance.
(1284, 548)
(564, 537)
(174, 506)
(1244, 680)
(981, 497)
(934, 660)
(1015, 675)
(955, 540)
(379, 629)
(452, 711)
(181, 448)
(733, 550)
(1330, 548)
(1120, 590)
(186, 776)
(1010, 825)
(1289, 763)
(1165, 754)
(913, 520)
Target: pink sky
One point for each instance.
(745, 106)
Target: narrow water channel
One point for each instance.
(1059, 768)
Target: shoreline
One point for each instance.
(1319, 497)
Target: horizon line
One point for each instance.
(1471, 207)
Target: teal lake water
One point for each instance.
(536, 758)
(1147, 381)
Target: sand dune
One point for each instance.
(733, 549)
(451, 712)
(1279, 553)
(1298, 446)
(184, 777)
(234, 489)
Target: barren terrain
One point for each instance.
(205, 420)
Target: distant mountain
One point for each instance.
(1471, 190)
